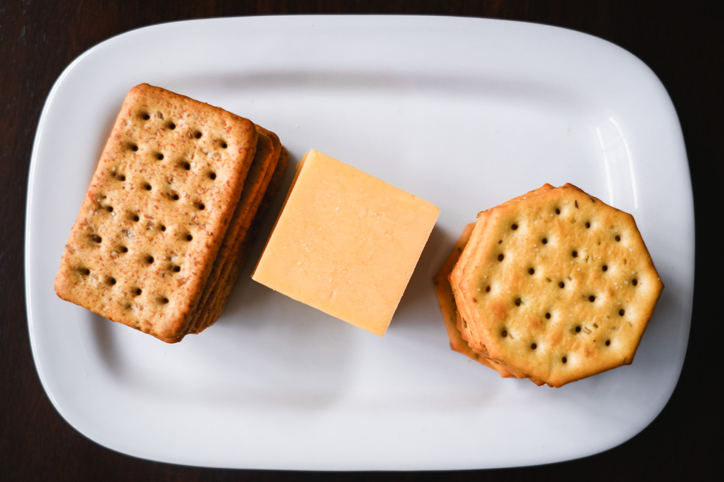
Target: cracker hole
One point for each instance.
(171, 125)
(84, 271)
(109, 209)
(163, 228)
(137, 292)
(487, 289)
(558, 211)
(223, 145)
(608, 342)
(533, 346)
(197, 134)
(96, 239)
(544, 241)
(121, 177)
(576, 203)
(518, 302)
(504, 333)
(531, 271)
(212, 175)
(164, 300)
(501, 257)
(149, 259)
(147, 186)
(591, 298)
(159, 156)
(176, 269)
(514, 226)
(111, 281)
(561, 284)
(134, 217)
(604, 267)
(578, 328)
(133, 147)
(145, 116)
(564, 360)
(188, 237)
(548, 316)
(574, 254)
(588, 225)
(621, 312)
(123, 249)
(174, 196)
(634, 281)
(617, 238)
(200, 206)
(185, 165)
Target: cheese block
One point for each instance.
(345, 242)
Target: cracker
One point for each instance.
(449, 310)
(266, 181)
(224, 288)
(265, 159)
(561, 286)
(156, 211)
(453, 320)
(465, 265)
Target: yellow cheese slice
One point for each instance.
(346, 243)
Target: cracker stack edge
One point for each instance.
(553, 286)
(157, 212)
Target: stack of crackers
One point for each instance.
(170, 214)
(553, 286)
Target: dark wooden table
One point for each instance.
(681, 42)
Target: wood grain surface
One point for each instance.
(681, 41)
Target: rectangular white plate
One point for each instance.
(465, 113)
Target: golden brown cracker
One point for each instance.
(156, 211)
(449, 310)
(262, 168)
(464, 266)
(223, 289)
(561, 286)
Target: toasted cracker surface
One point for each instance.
(224, 287)
(464, 266)
(449, 310)
(560, 286)
(232, 253)
(156, 211)
(265, 158)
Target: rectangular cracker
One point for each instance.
(223, 290)
(262, 167)
(156, 211)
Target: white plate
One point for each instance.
(465, 113)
